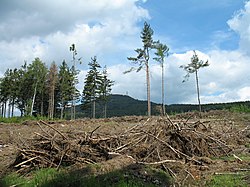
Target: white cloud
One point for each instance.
(240, 23)
(29, 18)
(46, 29)
(244, 94)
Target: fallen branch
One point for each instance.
(94, 130)
(25, 161)
(54, 129)
(238, 158)
(161, 162)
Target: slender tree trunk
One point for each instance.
(42, 103)
(105, 110)
(53, 103)
(74, 109)
(94, 109)
(148, 89)
(62, 109)
(33, 101)
(5, 108)
(13, 106)
(163, 90)
(51, 107)
(198, 91)
(71, 110)
(9, 108)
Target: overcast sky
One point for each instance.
(219, 30)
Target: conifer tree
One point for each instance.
(5, 89)
(65, 86)
(161, 53)
(51, 84)
(74, 71)
(23, 94)
(36, 74)
(105, 89)
(194, 67)
(143, 56)
(93, 81)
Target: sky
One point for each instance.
(219, 31)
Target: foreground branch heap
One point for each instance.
(153, 141)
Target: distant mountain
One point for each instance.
(123, 105)
(119, 105)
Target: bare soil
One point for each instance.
(189, 149)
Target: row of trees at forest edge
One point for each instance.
(35, 88)
(141, 61)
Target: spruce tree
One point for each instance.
(105, 89)
(65, 86)
(36, 74)
(52, 79)
(93, 81)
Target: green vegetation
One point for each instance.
(123, 105)
(240, 108)
(232, 158)
(228, 180)
(97, 88)
(19, 119)
(52, 177)
(35, 89)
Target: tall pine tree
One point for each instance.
(105, 89)
(193, 67)
(143, 56)
(74, 71)
(52, 79)
(161, 52)
(93, 82)
(65, 86)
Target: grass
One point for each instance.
(121, 178)
(228, 180)
(19, 119)
(231, 158)
(240, 109)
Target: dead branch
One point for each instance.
(161, 162)
(94, 130)
(53, 129)
(24, 162)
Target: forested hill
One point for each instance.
(123, 105)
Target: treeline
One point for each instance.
(36, 89)
(120, 105)
(123, 105)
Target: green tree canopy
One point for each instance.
(93, 82)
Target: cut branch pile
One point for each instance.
(153, 141)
